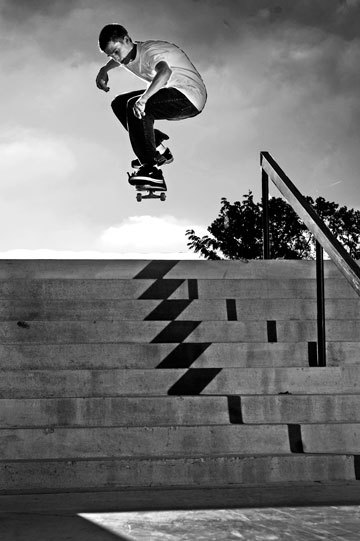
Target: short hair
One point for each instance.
(111, 32)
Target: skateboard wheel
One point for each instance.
(162, 197)
(139, 197)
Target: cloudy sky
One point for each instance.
(282, 76)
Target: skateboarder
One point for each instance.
(175, 91)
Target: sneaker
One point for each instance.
(161, 159)
(164, 158)
(147, 174)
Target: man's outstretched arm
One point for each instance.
(102, 78)
(163, 74)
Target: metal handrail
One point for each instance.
(325, 240)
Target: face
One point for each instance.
(118, 50)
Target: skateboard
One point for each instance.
(146, 191)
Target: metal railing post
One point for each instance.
(320, 299)
(265, 206)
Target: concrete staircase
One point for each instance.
(119, 374)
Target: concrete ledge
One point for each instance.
(82, 356)
(331, 438)
(31, 269)
(86, 383)
(73, 290)
(333, 408)
(226, 381)
(114, 474)
(129, 355)
(110, 442)
(326, 380)
(258, 269)
(177, 411)
(148, 499)
(89, 290)
(123, 268)
(269, 289)
(174, 441)
(114, 411)
(342, 353)
(70, 332)
(179, 309)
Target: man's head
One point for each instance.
(114, 41)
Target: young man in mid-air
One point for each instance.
(175, 91)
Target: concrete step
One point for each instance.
(72, 289)
(65, 332)
(48, 476)
(120, 442)
(342, 353)
(269, 289)
(179, 309)
(331, 438)
(156, 269)
(179, 441)
(201, 355)
(86, 383)
(178, 411)
(295, 409)
(309, 381)
(114, 411)
(254, 269)
(195, 381)
(203, 289)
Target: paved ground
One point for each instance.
(222, 515)
(267, 524)
(236, 524)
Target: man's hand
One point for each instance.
(102, 80)
(139, 108)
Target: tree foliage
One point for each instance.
(237, 231)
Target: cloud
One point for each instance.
(208, 30)
(207, 26)
(338, 17)
(309, 58)
(20, 10)
(147, 234)
(28, 159)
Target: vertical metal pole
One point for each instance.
(320, 296)
(265, 205)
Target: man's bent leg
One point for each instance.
(168, 104)
(142, 135)
(119, 107)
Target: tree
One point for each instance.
(237, 232)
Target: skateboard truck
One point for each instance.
(149, 192)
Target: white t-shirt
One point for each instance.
(184, 77)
